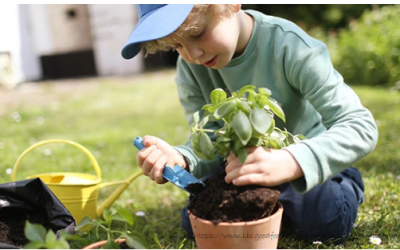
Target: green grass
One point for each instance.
(105, 114)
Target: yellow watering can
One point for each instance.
(77, 191)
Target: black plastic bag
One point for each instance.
(30, 200)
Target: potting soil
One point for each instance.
(219, 201)
(12, 227)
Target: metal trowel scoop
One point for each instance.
(177, 175)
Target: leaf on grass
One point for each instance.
(126, 215)
(242, 127)
(110, 244)
(136, 240)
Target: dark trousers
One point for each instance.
(325, 213)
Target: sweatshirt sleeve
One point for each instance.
(351, 130)
(192, 99)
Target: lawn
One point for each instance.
(106, 114)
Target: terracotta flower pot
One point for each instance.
(100, 244)
(263, 233)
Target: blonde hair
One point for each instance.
(193, 23)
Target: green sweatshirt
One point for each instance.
(317, 103)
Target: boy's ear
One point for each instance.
(236, 7)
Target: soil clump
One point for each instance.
(222, 202)
(12, 227)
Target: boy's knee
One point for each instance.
(319, 227)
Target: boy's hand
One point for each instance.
(153, 158)
(263, 166)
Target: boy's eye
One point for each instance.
(198, 35)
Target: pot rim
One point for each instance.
(101, 243)
(241, 223)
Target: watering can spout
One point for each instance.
(117, 192)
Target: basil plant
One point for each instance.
(248, 117)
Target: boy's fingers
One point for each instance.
(150, 160)
(143, 154)
(159, 168)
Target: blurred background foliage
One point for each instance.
(363, 39)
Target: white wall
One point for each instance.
(111, 26)
(15, 39)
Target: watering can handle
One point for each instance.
(91, 157)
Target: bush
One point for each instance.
(369, 50)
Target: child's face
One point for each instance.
(214, 45)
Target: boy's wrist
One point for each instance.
(184, 163)
(293, 170)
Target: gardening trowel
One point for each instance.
(177, 175)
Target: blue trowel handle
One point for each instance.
(138, 142)
(168, 172)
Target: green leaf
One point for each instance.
(242, 155)
(271, 128)
(84, 222)
(244, 106)
(196, 117)
(237, 145)
(274, 106)
(225, 109)
(110, 244)
(242, 127)
(206, 146)
(203, 121)
(252, 96)
(67, 236)
(155, 237)
(61, 244)
(51, 239)
(35, 232)
(260, 120)
(136, 240)
(273, 143)
(255, 142)
(301, 137)
(265, 91)
(126, 214)
(262, 101)
(34, 245)
(244, 89)
(217, 95)
(107, 216)
(95, 226)
(195, 141)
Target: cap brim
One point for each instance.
(154, 25)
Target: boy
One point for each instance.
(222, 46)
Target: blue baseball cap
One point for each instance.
(155, 21)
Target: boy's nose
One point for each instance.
(194, 53)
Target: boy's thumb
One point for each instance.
(149, 140)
